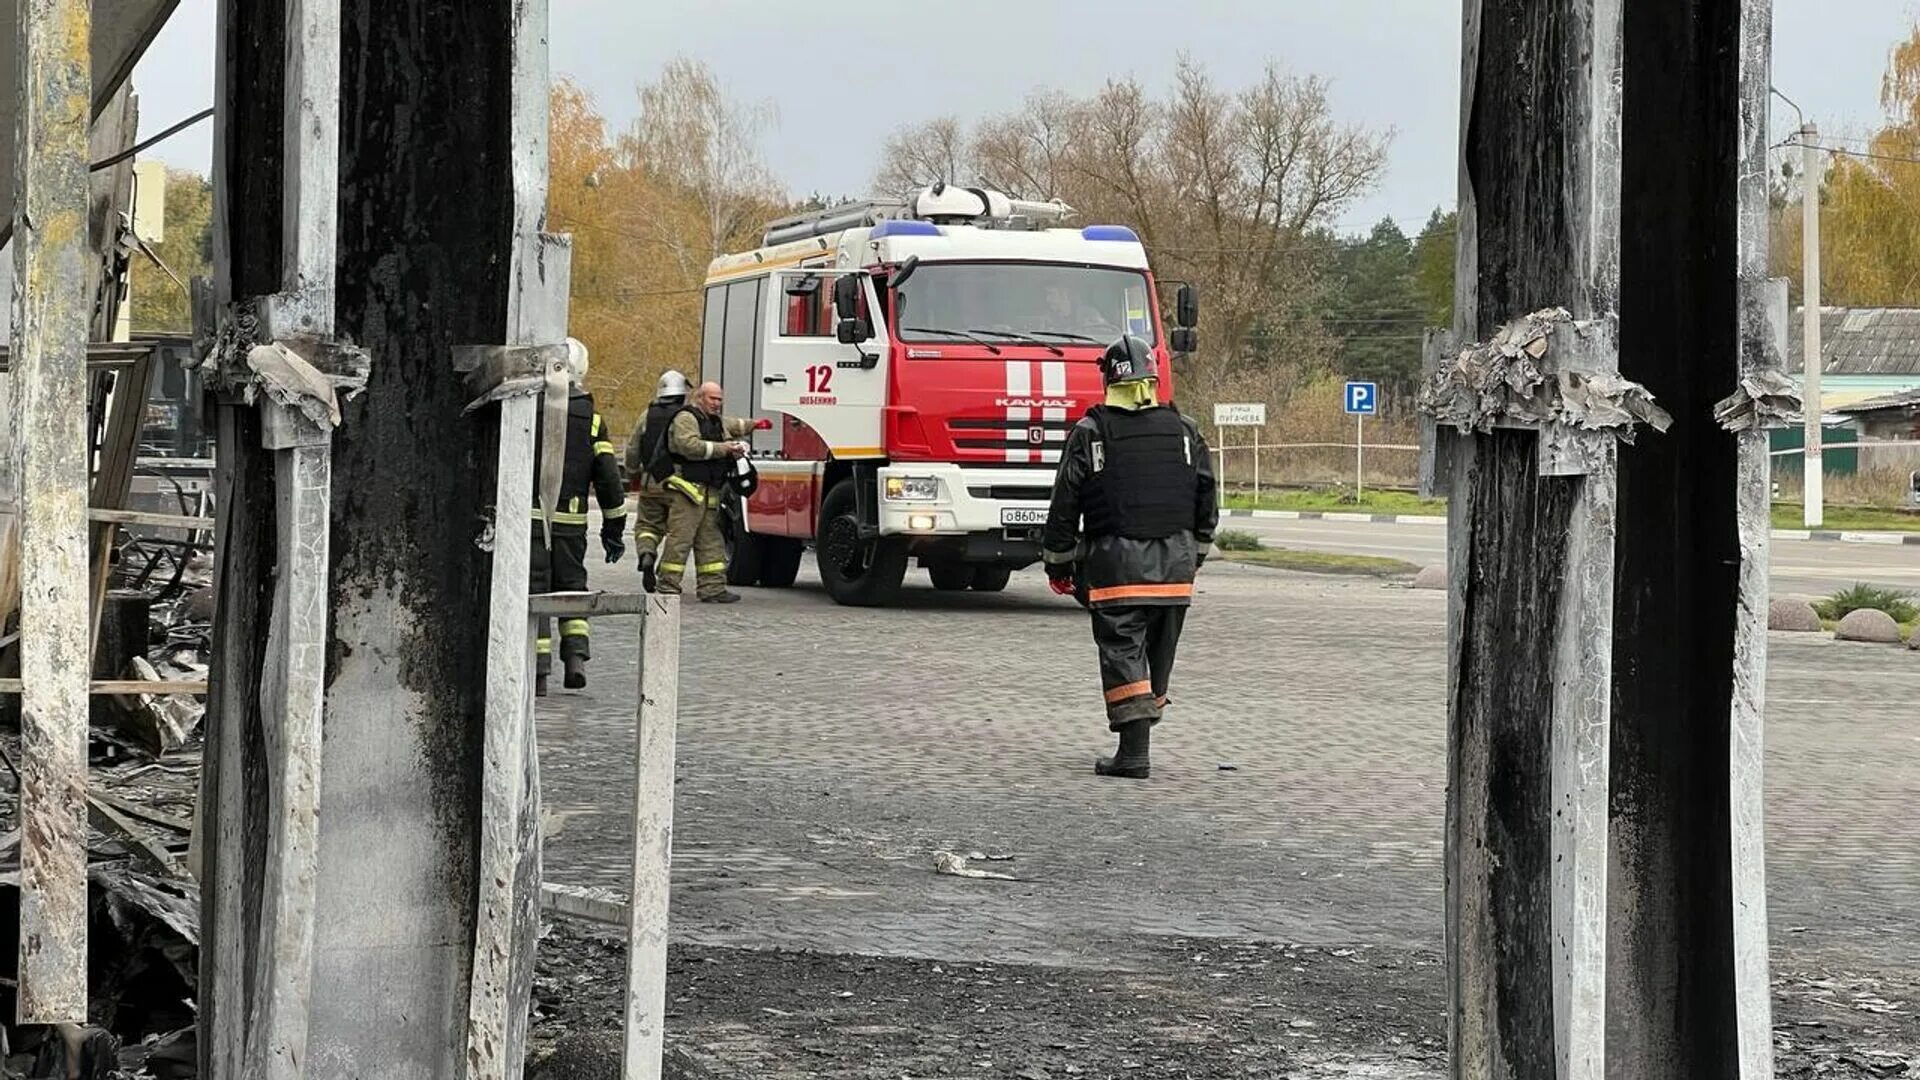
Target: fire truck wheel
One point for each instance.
(856, 572)
(950, 576)
(745, 553)
(991, 578)
(780, 562)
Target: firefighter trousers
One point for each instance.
(650, 519)
(560, 568)
(693, 528)
(1137, 645)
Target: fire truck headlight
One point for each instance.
(921, 523)
(912, 489)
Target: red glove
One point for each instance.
(1061, 586)
(763, 424)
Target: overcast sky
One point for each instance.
(1394, 65)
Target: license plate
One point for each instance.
(1016, 516)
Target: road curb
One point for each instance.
(1336, 515)
(1815, 535)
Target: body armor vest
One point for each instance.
(1144, 481)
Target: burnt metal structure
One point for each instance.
(1606, 457)
(372, 881)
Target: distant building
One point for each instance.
(1871, 355)
(1868, 352)
(1893, 418)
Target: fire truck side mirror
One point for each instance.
(846, 296)
(1186, 313)
(1184, 339)
(854, 328)
(854, 331)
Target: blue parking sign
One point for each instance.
(1363, 399)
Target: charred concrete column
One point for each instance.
(53, 300)
(360, 500)
(1688, 992)
(1605, 908)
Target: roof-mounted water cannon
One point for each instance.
(945, 204)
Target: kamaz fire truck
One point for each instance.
(922, 362)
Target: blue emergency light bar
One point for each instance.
(904, 228)
(1112, 233)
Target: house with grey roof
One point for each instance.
(1871, 358)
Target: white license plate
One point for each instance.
(1015, 516)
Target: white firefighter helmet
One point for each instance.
(576, 361)
(673, 384)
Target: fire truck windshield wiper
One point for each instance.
(1067, 336)
(1011, 335)
(968, 334)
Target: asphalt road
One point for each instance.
(1808, 568)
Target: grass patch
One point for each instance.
(1898, 604)
(1371, 502)
(1847, 518)
(1236, 540)
(1321, 562)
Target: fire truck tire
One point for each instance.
(780, 562)
(856, 572)
(950, 576)
(745, 552)
(991, 578)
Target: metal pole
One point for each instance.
(1256, 468)
(646, 1000)
(53, 286)
(1359, 455)
(1815, 493)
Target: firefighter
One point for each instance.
(1139, 475)
(647, 459)
(562, 565)
(703, 446)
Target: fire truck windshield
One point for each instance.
(1018, 302)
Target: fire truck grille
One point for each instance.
(1011, 493)
(1002, 434)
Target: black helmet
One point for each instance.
(1128, 359)
(743, 478)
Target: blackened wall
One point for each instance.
(1671, 1006)
(1518, 162)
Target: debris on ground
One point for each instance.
(946, 862)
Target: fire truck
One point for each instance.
(921, 362)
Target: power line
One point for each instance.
(137, 148)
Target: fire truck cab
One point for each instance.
(922, 362)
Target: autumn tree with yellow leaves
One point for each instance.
(648, 209)
(1870, 203)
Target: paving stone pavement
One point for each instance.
(826, 753)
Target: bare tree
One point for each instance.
(698, 142)
(920, 155)
(1235, 192)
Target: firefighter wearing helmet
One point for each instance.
(708, 458)
(561, 565)
(1132, 519)
(647, 459)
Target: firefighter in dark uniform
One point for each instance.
(1139, 475)
(648, 461)
(704, 446)
(562, 567)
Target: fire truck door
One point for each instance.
(807, 374)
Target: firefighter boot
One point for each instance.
(649, 580)
(1130, 762)
(540, 684)
(576, 668)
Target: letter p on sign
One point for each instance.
(1363, 399)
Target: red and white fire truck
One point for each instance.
(921, 362)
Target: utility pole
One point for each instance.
(1815, 483)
